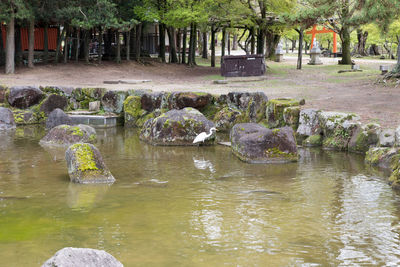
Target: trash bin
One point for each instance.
(243, 66)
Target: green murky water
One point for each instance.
(189, 206)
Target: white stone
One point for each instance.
(387, 138)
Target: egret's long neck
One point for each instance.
(211, 132)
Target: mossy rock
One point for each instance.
(291, 117)
(313, 141)
(63, 135)
(364, 137)
(275, 110)
(81, 97)
(86, 166)
(134, 115)
(340, 138)
(176, 128)
(24, 117)
(383, 157)
(227, 117)
(253, 143)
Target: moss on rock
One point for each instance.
(313, 141)
(275, 111)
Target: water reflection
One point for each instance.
(82, 197)
(197, 206)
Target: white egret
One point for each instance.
(203, 136)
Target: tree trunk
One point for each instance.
(161, 54)
(31, 42)
(192, 45)
(2, 49)
(18, 46)
(362, 39)
(78, 38)
(118, 57)
(234, 42)
(229, 44)
(300, 51)
(271, 42)
(100, 49)
(138, 42)
(10, 46)
(346, 55)
(305, 47)
(212, 46)
(223, 42)
(205, 50)
(184, 45)
(293, 45)
(260, 42)
(253, 41)
(128, 45)
(178, 45)
(86, 45)
(67, 44)
(398, 52)
(172, 45)
(59, 40)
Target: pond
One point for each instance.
(195, 206)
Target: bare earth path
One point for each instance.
(321, 86)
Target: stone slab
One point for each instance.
(97, 121)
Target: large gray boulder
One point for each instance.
(253, 103)
(308, 123)
(86, 166)
(176, 127)
(254, 143)
(25, 96)
(6, 119)
(387, 138)
(64, 135)
(152, 100)
(57, 117)
(180, 100)
(364, 137)
(82, 257)
(113, 101)
(52, 102)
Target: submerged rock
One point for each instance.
(57, 117)
(67, 135)
(86, 166)
(69, 257)
(254, 143)
(6, 119)
(24, 96)
(176, 127)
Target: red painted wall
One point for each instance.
(39, 38)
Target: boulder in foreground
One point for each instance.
(69, 257)
(86, 166)
(254, 143)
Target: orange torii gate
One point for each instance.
(314, 32)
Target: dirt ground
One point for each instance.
(321, 86)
